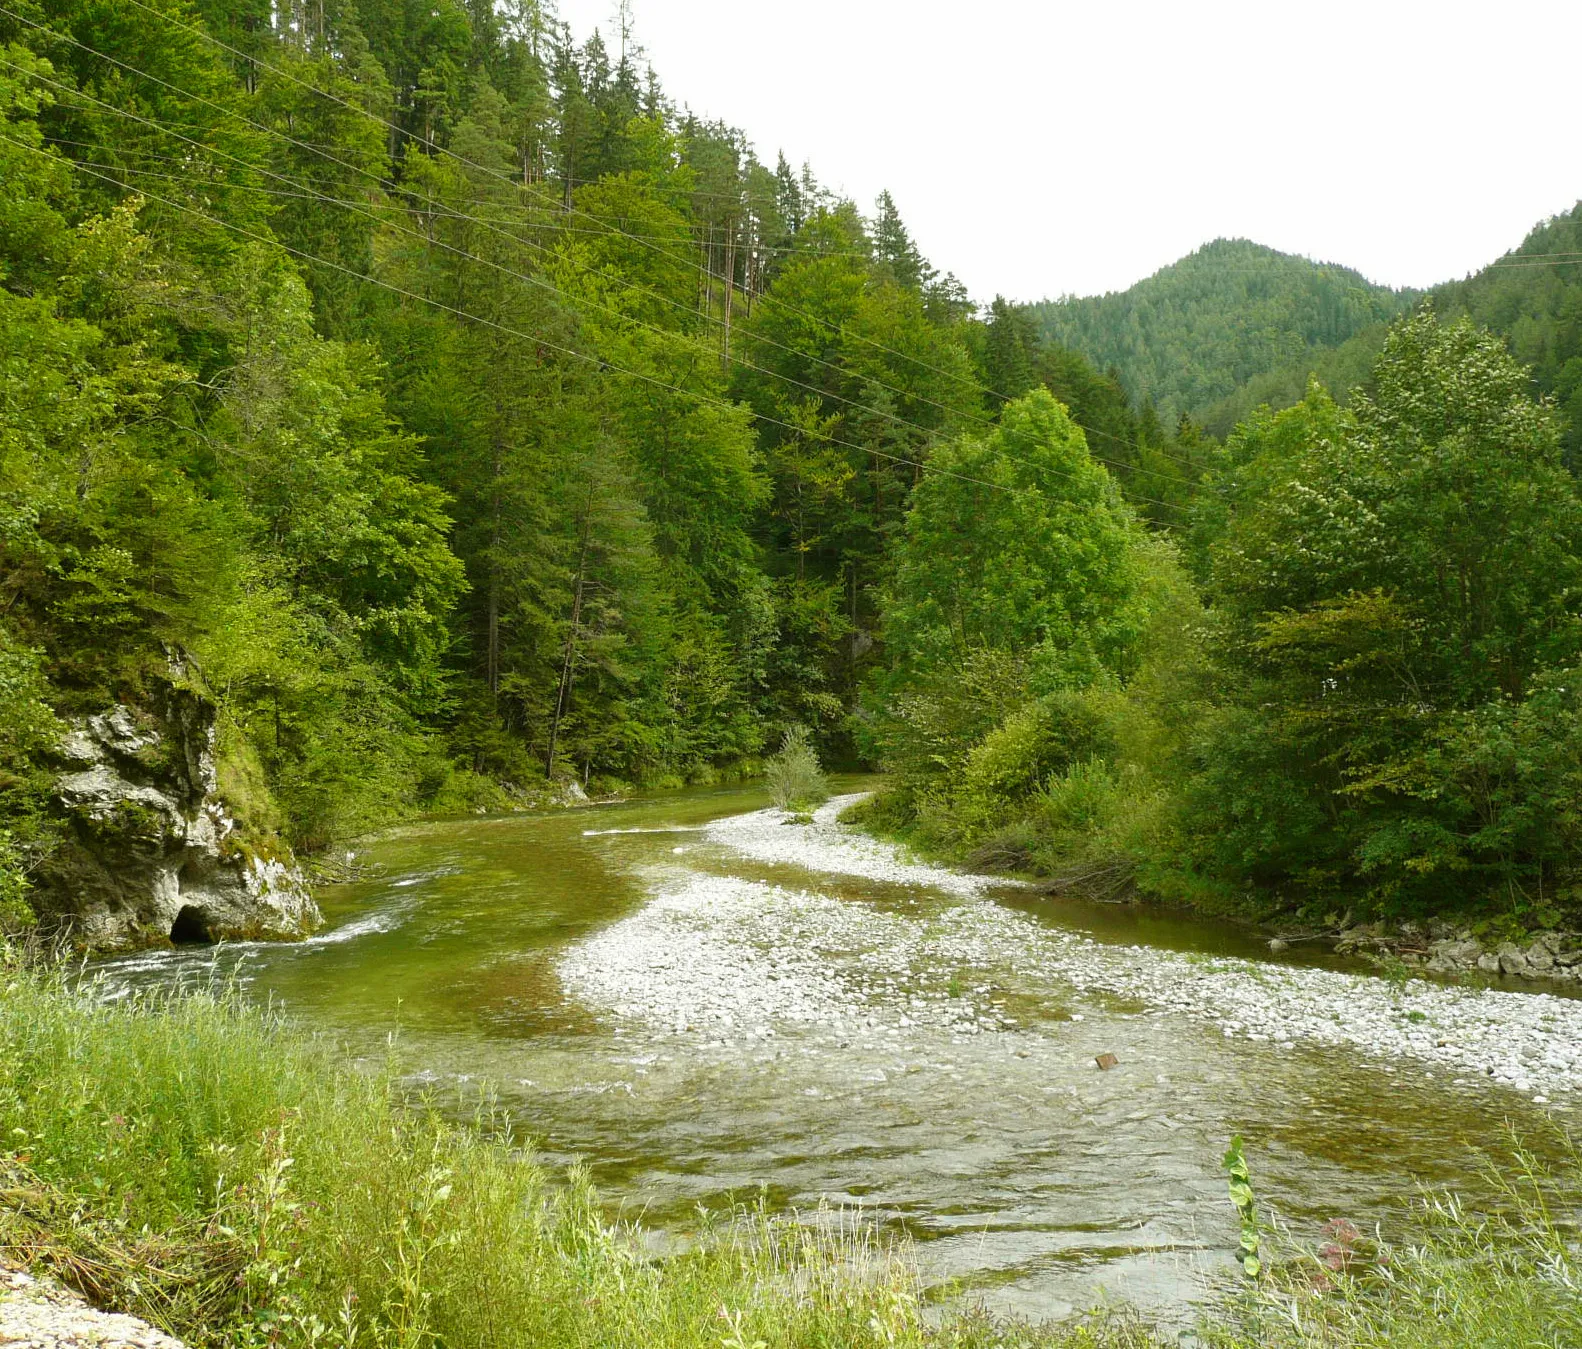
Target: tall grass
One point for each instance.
(1506, 1278)
(199, 1163)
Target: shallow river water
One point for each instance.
(704, 1007)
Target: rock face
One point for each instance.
(150, 853)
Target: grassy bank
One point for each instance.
(203, 1165)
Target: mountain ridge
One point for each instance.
(1529, 295)
(1197, 330)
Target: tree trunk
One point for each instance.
(730, 286)
(708, 276)
(568, 663)
(492, 652)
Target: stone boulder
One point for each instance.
(149, 852)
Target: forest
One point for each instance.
(467, 417)
(1196, 332)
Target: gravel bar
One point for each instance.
(38, 1314)
(728, 957)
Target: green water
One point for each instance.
(1025, 1176)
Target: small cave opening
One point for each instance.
(191, 928)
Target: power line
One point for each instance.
(450, 213)
(811, 252)
(928, 434)
(765, 297)
(600, 363)
(900, 421)
(604, 228)
(310, 195)
(482, 168)
(1530, 266)
(357, 168)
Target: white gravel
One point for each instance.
(727, 957)
(771, 836)
(37, 1314)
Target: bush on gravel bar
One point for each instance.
(796, 782)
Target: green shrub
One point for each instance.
(927, 730)
(243, 783)
(462, 792)
(1085, 799)
(16, 914)
(796, 782)
(1030, 746)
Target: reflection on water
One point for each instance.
(1023, 1172)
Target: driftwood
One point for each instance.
(1110, 881)
(190, 1273)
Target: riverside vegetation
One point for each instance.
(460, 416)
(202, 1165)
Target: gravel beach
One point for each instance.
(733, 958)
(38, 1314)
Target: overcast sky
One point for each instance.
(1058, 148)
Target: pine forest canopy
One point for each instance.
(1195, 331)
(468, 416)
(1532, 295)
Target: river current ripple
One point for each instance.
(707, 1004)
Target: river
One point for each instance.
(705, 1008)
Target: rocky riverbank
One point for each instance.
(39, 1314)
(150, 849)
(1446, 949)
(735, 958)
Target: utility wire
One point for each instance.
(931, 437)
(599, 363)
(765, 297)
(169, 128)
(900, 421)
(927, 433)
(428, 144)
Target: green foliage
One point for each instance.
(1015, 617)
(1532, 297)
(236, 1184)
(1246, 1206)
(16, 914)
(1537, 306)
(796, 782)
(1035, 743)
(1016, 542)
(1193, 332)
(1394, 581)
(1377, 711)
(201, 1164)
(423, 519)
(929, 729)
(628, 452)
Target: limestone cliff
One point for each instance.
(149, 853)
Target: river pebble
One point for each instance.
(38, 1314)
(731, 958)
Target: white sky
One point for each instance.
(1070, 148)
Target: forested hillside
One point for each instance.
(1532, 296)
(1196, 330)
(424, 391)
(453, 410)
